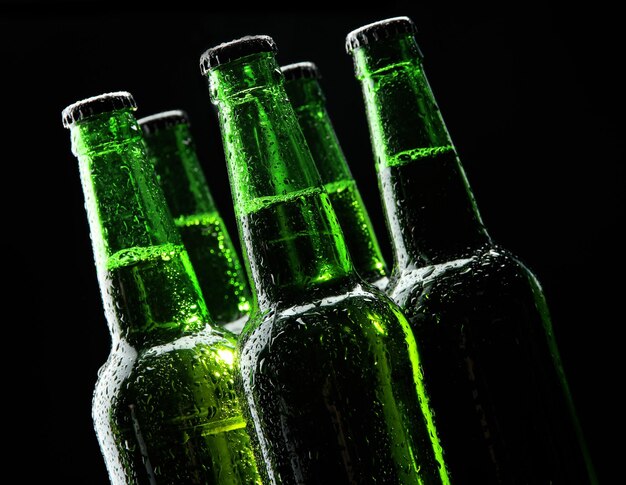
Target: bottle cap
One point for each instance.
(381, 30)
(160, 121)
(234, 49)
(300, 70)
(96, 105)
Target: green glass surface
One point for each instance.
(327, 363)
(164, 407)
(490, 359)
(213, 255)
(309, 103)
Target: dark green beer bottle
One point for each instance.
(165, 410)
(307, 98)
(327, 362)
(490, 359)
(171, 147)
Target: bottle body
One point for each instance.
(491, 367)
(163, 408)
(171, 148)
(491, 364)
(161, 416)
(345, 399)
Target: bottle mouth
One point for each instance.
(379, 31)
(95, 105)
(235, 49)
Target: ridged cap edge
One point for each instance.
(95, 105)
(379, 30)
(235, 49)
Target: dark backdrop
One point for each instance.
(531, 97)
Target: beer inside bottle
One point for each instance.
(302, 84)
(327, 363)
(172, 150)
(164, 407)
(491, 363)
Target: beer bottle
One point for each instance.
(171, 148)
(490, 358)
(326, 362)
(164, 407)
(302, 83)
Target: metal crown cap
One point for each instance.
(160, 121)
(234, 49)
(380, 30)
(96, 105)
(300, 70)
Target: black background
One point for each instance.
(531, 96)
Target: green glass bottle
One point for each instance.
(489, 355)
(164, 408)
(171, 147)
(302, 83)
(327, 362)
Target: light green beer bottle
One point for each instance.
(489, 354)
(302, 83)
(326, 362)
(164, 407)
(172, 150)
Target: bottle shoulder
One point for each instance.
(362, 310)
(490, 268)
(321, 301)
(186, 386)
(180, 362)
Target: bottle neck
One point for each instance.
(431, 213)
(203, 230)
(173, 153)
(309, 103)
(149, 290)
(289, 232)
